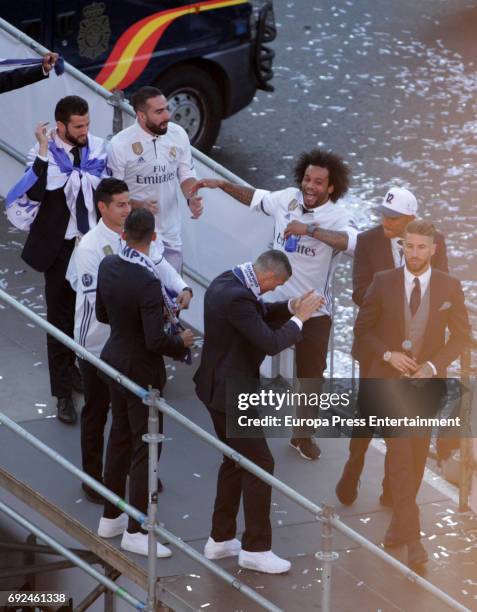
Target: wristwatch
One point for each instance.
(387, 356)
(310, 228)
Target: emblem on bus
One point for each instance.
(94, 31)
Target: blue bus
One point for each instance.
(208, 58)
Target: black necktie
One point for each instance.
(415, 300)
(81, 210)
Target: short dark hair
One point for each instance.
(274, 261)
(142, 95)
(70, 105)
(339, 172)
(139, 226)
(422, 228)
(107, 188)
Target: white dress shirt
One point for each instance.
(398, 251)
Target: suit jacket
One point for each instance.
(380, 325)
(373, 254)
(48, 230)
(14, 79)
(129, 299)
(239, 332)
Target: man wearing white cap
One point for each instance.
(377, 249)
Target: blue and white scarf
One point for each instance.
(246, 275)
(21, 211)
(173, 325)
(59, 66)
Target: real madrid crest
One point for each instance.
(172, 152)
(293, 204)
(137, 148)
(94, 31)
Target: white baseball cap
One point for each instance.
(397, 202)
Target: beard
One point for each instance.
(76, 142)
(417, 266)
(159, 130)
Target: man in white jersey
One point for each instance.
(308, 221)
(152, 156)
(112, 198)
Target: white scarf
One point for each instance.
(246, 274)
(131, 255)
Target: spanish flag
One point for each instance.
(132, 52)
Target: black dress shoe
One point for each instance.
(91, 495)
(66, 410)
(347, 487)
(416, 553)
(76, 380)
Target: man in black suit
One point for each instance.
(380, 248)
(377, 249)
(66, 165)
(129, 298)
(20, 77)
(418, 304)
(239, 331)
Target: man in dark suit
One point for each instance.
(129, 298)
(20, 77)
(239, 331)
(418, 305)
(66, 166)
(377, 249)
(380, 248)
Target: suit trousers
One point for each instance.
(60, 312)
(407, 461)
(128, 453)
(234, 481)
(359, 443)
(93, 419)
(310, 357)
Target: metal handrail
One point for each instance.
(68, 554)
(304, 502)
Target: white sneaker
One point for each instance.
(137, 543)
(109, 528)
(267, 562)
(220, 550)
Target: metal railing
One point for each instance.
(78, 561)
(324, 515)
